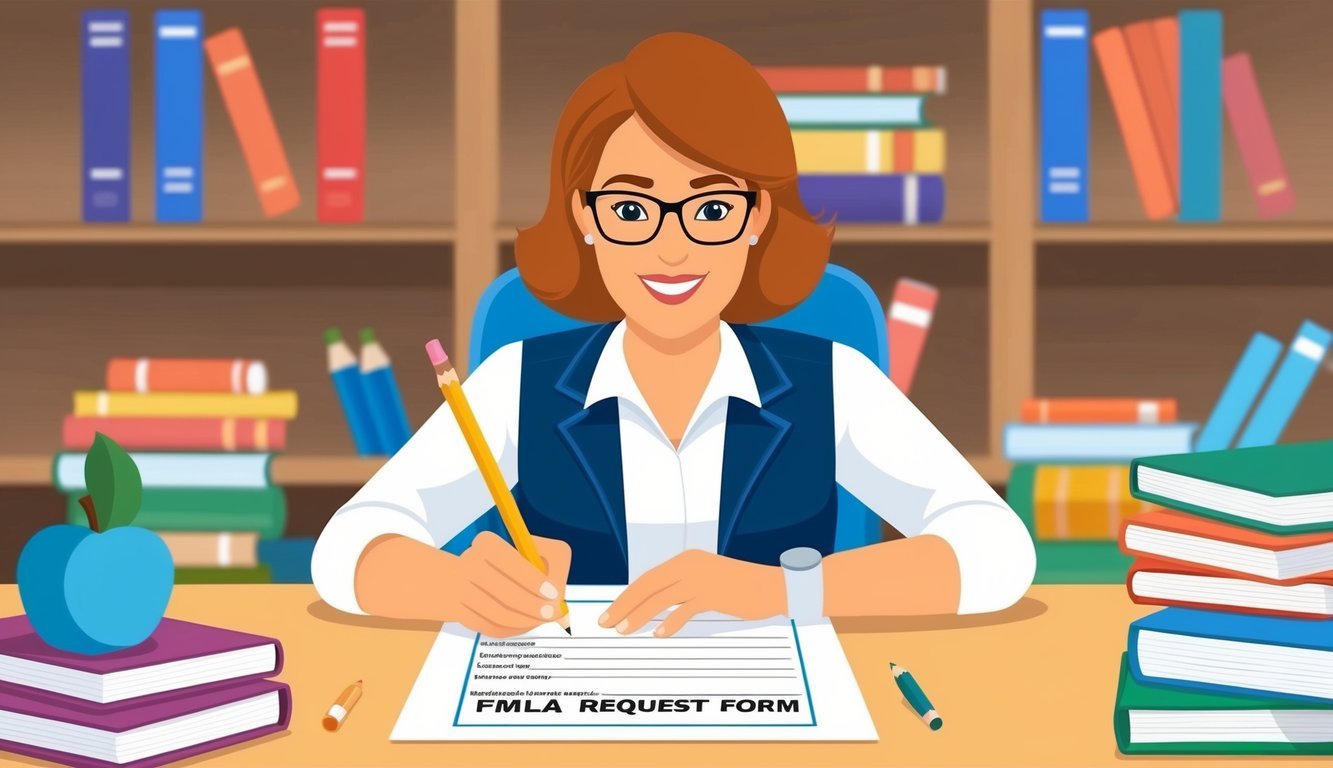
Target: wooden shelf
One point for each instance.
(1176, 232)
(266, 234)
(867, 233)
(994, 469)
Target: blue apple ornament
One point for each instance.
(105, 587)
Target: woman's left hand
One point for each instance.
(698, 581)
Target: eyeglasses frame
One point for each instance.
(590, 198)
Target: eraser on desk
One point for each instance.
(435, 351)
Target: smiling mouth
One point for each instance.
(672, 289)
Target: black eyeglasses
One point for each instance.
(709, 218)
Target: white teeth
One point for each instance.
(671, 289)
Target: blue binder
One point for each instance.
(1064, 115)
(1200, 115)
(106, 115)
(1238, 396)
(179, 114)
(1293, 377)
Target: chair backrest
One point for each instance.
(842, 308)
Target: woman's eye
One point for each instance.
(630, 212)
(714, 210)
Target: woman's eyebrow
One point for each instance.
(629, 178)
(717, 178)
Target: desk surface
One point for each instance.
(1033, 686)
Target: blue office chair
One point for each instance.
(842, 308)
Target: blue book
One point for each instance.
(1235, 653)
(179, 115)
(1238, 396)
(1064, 115)
(1200, 115)
(873, 197)
(1285, 392)
(1095, 442)
(870, 110)
(106, 115)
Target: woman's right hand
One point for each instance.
(491, 589)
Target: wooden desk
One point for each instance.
(1033, 686)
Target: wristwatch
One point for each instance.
(803, 569)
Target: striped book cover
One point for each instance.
(868, 79)
(180, 374)
(919, 151)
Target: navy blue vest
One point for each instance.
(778, 487)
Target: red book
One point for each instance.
(910, 315)
(1155, 84)
(177, 434)
(1098, 410)
(182, 374)
(1158, 582)
(1184, 538)
(870, 79)
(340, 35)
(1254, 137)
(1131, 112)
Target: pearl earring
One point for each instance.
(587, 239)
(754, 239)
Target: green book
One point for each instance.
(1276, 488)
(260, 574)
(1064, 562)
(1168, 721)
(262, 510)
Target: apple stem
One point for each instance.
(87, 503)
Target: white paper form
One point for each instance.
(717, 679)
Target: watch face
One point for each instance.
(800, 558)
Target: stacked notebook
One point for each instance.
(188, 690)
(203, 433)
(1070, 481)
(864, 150)
(1242, 659)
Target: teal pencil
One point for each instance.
(916, 697)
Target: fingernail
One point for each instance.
(660, 631)
(548, 612)
(548, 590)
(623, 626)
(605, 619)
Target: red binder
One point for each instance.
(341, 113)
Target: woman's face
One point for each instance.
(669, 284)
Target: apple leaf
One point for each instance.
(113, 482)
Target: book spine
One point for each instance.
(869, 79)
(1167, 32)
(179, 115)
(1288, 387)
(221, 549)
(1238, 396)
(176, 434)
(1083, 502)
(919, 151)
(250, 117)
(341, 114)
(1155, 85)
(259, 511)
(853, 111)
(1111, 410)
(147, 374)
(1254, 137)
(1064, 115)
(896, 198)
(386, 409)
(106, 115)
(177, 470)
(277, 404)
(910, 314)
(1145, 156)
(1065, 443)
(1200, 115)
(258, 574)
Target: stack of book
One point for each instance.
(864, 150)
(1070, 481)
(203, 433)
(1242, 661)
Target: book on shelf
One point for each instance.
(1167, 32)
(1200, 99)
(243, 96)
(274, 404)
(1259, 153)
(1136, 127)
(883, 198)
(1239, 394)
(1303, 359)
(1280, 489)
(1065, 443)
(911, 311)
(177, 470)
(1064, 115)
(870, 151)
(1163, 582)
(214, 433)
(1233, 653)
(1152, 720)
(873, 78)
(181, 374)
(1170, 534)
(257, 574)
(1077, 502)
(340, 92)
(178, 114)
(1098, 410)
(212, 549)
(262, 511)
(106, 114)
(846, 111)
(1150, 67)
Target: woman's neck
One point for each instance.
(698, 348)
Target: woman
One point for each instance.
(672, 447)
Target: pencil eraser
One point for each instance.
(435, 351)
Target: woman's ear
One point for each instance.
(762, 213)
(582, 215)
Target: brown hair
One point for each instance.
(709, 104)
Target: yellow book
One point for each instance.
(1084, 502)
(276, 404)
(909, 151)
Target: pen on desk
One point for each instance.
(916, 697)
(342, 706)
(452, 389)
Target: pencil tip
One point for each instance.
(569, 631)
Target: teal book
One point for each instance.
(263, 511)
(1280, 489)
(1064, 562)
(1165, 721)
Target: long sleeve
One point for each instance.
(896, 462)
(431, 489)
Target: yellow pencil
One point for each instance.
(452, 389)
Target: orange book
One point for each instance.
(179, 374)
(1158, 582)
(1181, 537)
(1168, 45)
(1141, 37)
(1098, 410)
(250, 116)
(1131, 111)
